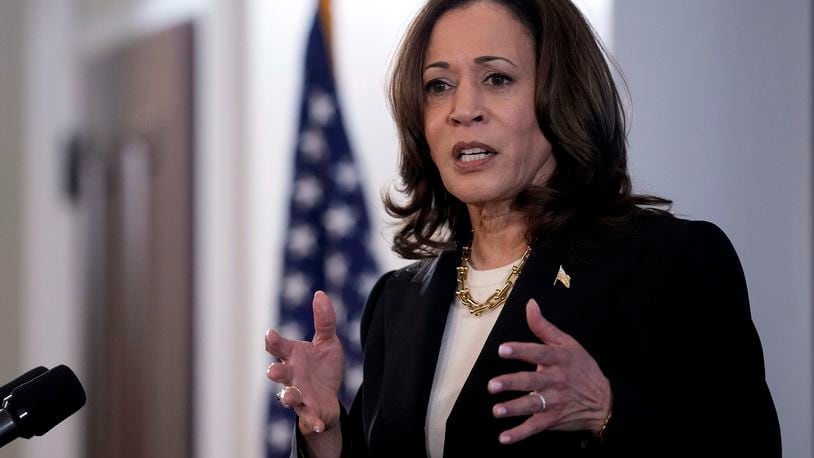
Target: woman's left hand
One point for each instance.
(577, 394)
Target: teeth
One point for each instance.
(475, 150)
(474, 154)
(467, 157)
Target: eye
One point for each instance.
(436, 87)
(498, 79)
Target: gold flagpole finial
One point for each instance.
(325, 22)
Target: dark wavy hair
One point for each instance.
(587, 199)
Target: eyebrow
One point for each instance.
(478, 60)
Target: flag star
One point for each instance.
(279, 434)
(292, 330)
(339, 220)
(346, 176)
(353, 378)
(365, 284)
(312, 144)
(352, 331)
(295, 288)
(321, 108)
(301, 241)
(339, 305)
(336, 269)
(307, 191)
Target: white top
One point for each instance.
(464, 336)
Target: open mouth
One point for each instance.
(474, 154)
(470, 152)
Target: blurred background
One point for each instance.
(146, 158)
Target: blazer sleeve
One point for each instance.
(714, 400)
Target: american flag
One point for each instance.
(327, 245)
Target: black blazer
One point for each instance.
(664, 311)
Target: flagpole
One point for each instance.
(325, 18)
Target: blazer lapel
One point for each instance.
(565, 307)
(414, 326)
(474, 404)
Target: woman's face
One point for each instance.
(479, 116)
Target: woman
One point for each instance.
(513, 158)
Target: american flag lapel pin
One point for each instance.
(563, 278)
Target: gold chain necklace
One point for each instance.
(497, 298)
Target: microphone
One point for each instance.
(5, 390)
(38, 405)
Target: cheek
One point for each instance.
(432, 138)
(431, 126)
(544, 162)
(527, 128)
(542, 148)
(433, 155)
(526, 120)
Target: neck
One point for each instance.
(499, 236)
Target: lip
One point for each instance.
(460, 146)
(471, 164)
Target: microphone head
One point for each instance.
(45, 401)
(6, 389)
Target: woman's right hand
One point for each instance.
(315, 368)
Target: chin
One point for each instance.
(482, 198)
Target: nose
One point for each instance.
(467, 105)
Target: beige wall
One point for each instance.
(88, 8)
(10, 199)
(11, 52)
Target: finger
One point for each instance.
(528, 428)
(278, 345)
(290, 397)
(542, 328)
(534, 353)
(308, 421)
(324, 317)
(309, 417)
(518, 381)
(280, 373)
(525, 405)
